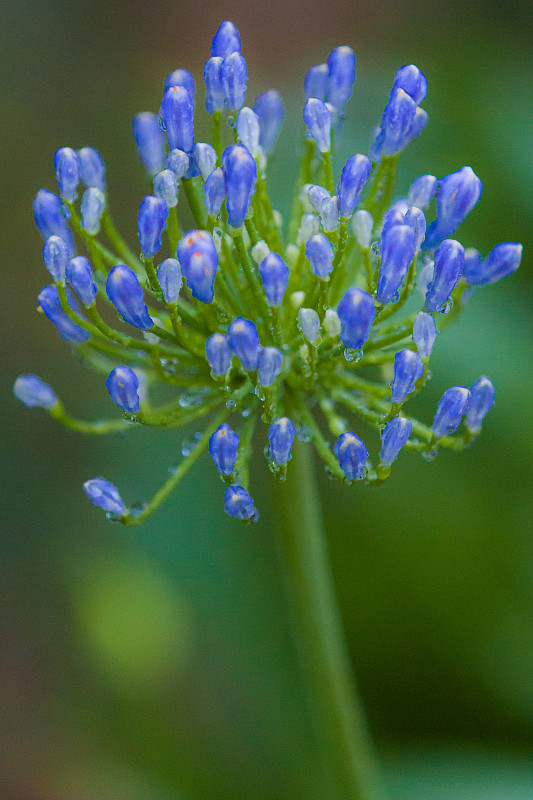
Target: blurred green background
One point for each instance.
(155, 662)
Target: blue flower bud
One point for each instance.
(226, 40)
(419, 122)
(319, 251)
(205, 158)
(123, 387)
(408, 368)
(104, 495)
(362, 225)
(223, 444)
(270, 109)
(151, 223)
(177, 162)
(416, 220)
(170, 280)
(412, 81)
(241, 174)
(244, 341)
(67, 172)
(181, 77)
(269, 363)
(215, 191)
(200, 276)
(55, 257)
(352, 455)
(458, 194)
(309, 324)
(238, 503)
(34, 392)
(396, 433)
(275, 275)
(316, 82)
(503, 260)
(196, 242)
(424, 333)
(422, 191)
(234, 80)
(341, 76)
(92, 208)
(50, 217)
(80, 276)
(166, 187)
(309, 225)
(316, 196)
(472, 265)
(330, 213)
(126, 294)
(397, 250)
(218, 353)
(150, 141)
(449, 258)
(281, 435)
(394, 216)
(177, 118)
(248, 129)
(450, 410)
(50, 305)
(482, 395)
(214, 85)
(353, 177)
(356, 312)
(396, 121)
(317, 120)
(91, 168)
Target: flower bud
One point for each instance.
(482, 395)
(218, 353)
(397, 432)
(92, 208)
(332, 323)
(205, 158)
(50, 217)
(67, 172)
(316, 82)
(244, 341)
(362, 225)
(416, 220)
(408, 368)
(412, 81)
(271, 113)
(214, 85)
(196, 242)
(34, 392)
(309, 324)
(181, 77)
(55, 257)
(126, 294)
(166, 187)
(354, 175)
(396, 120)
(260, 251)
(91, 168)
(104, 495)
(341, 76)
(177, 118)
(503, 260)
(450, 410)
(238, 503)
(123, 385)
(397, 250)
(281, 435)
(200, 276)
(356, 312)
(458, 194)
(422, 191)
(248, 129)
(352, 455)
(170, 279)
(215, 191)
(269, 362)
(394, 216)
(150, 141)
(319, 251)
(178, 162)
(50, 305)
(316, 196)
(223, 444)
(226, 40)
(449, 258)
(317, 120)
(330, 213)
(241, 174)
(79, 275)
(234, 80)
(275, 275)
(152, 220)
(424, 333)
(309, 225)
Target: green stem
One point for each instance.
(380, 195)
(318, 631)
(328, 171)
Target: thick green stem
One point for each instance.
(340, 724)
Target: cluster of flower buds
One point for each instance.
(246, 320)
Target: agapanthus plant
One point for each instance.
(266, 331)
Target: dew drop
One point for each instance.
(429, 455)
(258, 391)
(129, 419)
(374, 248)
(303, 434)
(137, 508)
